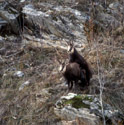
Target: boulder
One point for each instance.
(9, 17)
(86, 110)
(117, 10)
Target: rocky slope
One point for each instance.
(33, 34)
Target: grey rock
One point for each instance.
(2, 51)
(3, 109)
(9, 17)
(19, 74)
(116, 6)
(2, 22)
(61, 25)
(70, 96)
(89, 114)
(117, 10)
(107, 20)
(42, 19)
(68, 113)
(122, 51)
(23, 85)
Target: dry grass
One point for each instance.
(111, 64)
(35, 102)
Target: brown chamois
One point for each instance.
(73, 73)
(74, 56)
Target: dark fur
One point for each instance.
(76, 57)
(73, 73)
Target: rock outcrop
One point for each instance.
(86, 110)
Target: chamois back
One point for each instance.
(74, 56)
(73, 73)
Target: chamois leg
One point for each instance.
(75, 85)
(68, 83)
(83, 79)
(71, 85)
(88, 79)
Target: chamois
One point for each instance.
(73, 73)
(74, 56)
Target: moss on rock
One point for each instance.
(77, 102)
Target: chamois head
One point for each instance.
(70, 47)
(62, 67)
